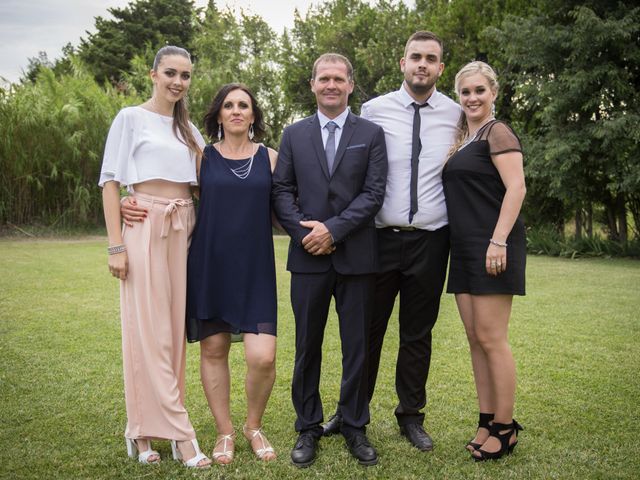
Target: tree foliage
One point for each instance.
(344, 27)
(140, 27)
(568, 72)
(243, 49)
(575, 100)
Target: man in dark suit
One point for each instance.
(413, 233)
(328, 185)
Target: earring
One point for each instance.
(493, 109)
(219, 132)
(251, 134)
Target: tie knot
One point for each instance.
(331, 126)
(418, 106)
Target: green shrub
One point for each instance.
(547, 241)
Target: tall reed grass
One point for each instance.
(52, 135)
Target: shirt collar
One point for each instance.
(339, 120)
(406, 99)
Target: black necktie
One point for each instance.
(330, 148)
(416, 146)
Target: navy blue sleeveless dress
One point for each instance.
(231, 279)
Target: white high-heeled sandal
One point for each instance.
(225, 452)
(266, 447)
(143, 457)
(192, 462)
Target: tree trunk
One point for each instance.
(590, 220)
(611, 220)
(556, 216)
(559, 224)
(634, 207)
(578, 234)
(621, 211)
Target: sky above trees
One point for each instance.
(30, 27)
(568, 72)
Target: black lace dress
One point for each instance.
(474, 192)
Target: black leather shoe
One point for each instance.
(304, 451)
(361, 449)
(417, 436)
(333, 425)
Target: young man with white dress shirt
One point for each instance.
(412, 227)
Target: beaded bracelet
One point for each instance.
(497, 244)
(116, 249)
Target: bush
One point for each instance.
(547, 241)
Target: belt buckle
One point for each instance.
(404, 229)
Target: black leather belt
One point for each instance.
(402, 229)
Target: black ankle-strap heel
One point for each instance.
(484, 421)
(508, 429)
(517, 427)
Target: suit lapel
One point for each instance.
(316, 141)
(345, 138)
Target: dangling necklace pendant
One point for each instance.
(243, 171)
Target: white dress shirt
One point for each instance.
(339, 120)
(438, 124)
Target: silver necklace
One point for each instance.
(243, 171)
(467, 141)
(470, 138)
(153, 107)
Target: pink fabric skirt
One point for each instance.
(152, 305)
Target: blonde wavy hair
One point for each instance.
(471, 68)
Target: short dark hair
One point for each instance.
(422, 36)
(332, 58)
(210, 121)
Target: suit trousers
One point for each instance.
(311, 297)
(414, 265)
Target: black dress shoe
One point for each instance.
(417, 436)
(333, 425)
(361, 449)
(304, 451)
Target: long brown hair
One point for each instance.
(180, 109)
(469, 69)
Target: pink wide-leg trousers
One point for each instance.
(152, 305)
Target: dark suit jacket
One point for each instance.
(345, 201)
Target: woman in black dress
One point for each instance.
(231, 283)
(484, 189)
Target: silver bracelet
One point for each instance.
(116, 249)
(497, 244)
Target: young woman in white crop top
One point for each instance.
(153, 149)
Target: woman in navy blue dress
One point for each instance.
(484, 189)
(231, 283)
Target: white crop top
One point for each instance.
(141, 146)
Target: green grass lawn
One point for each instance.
(576, 340)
